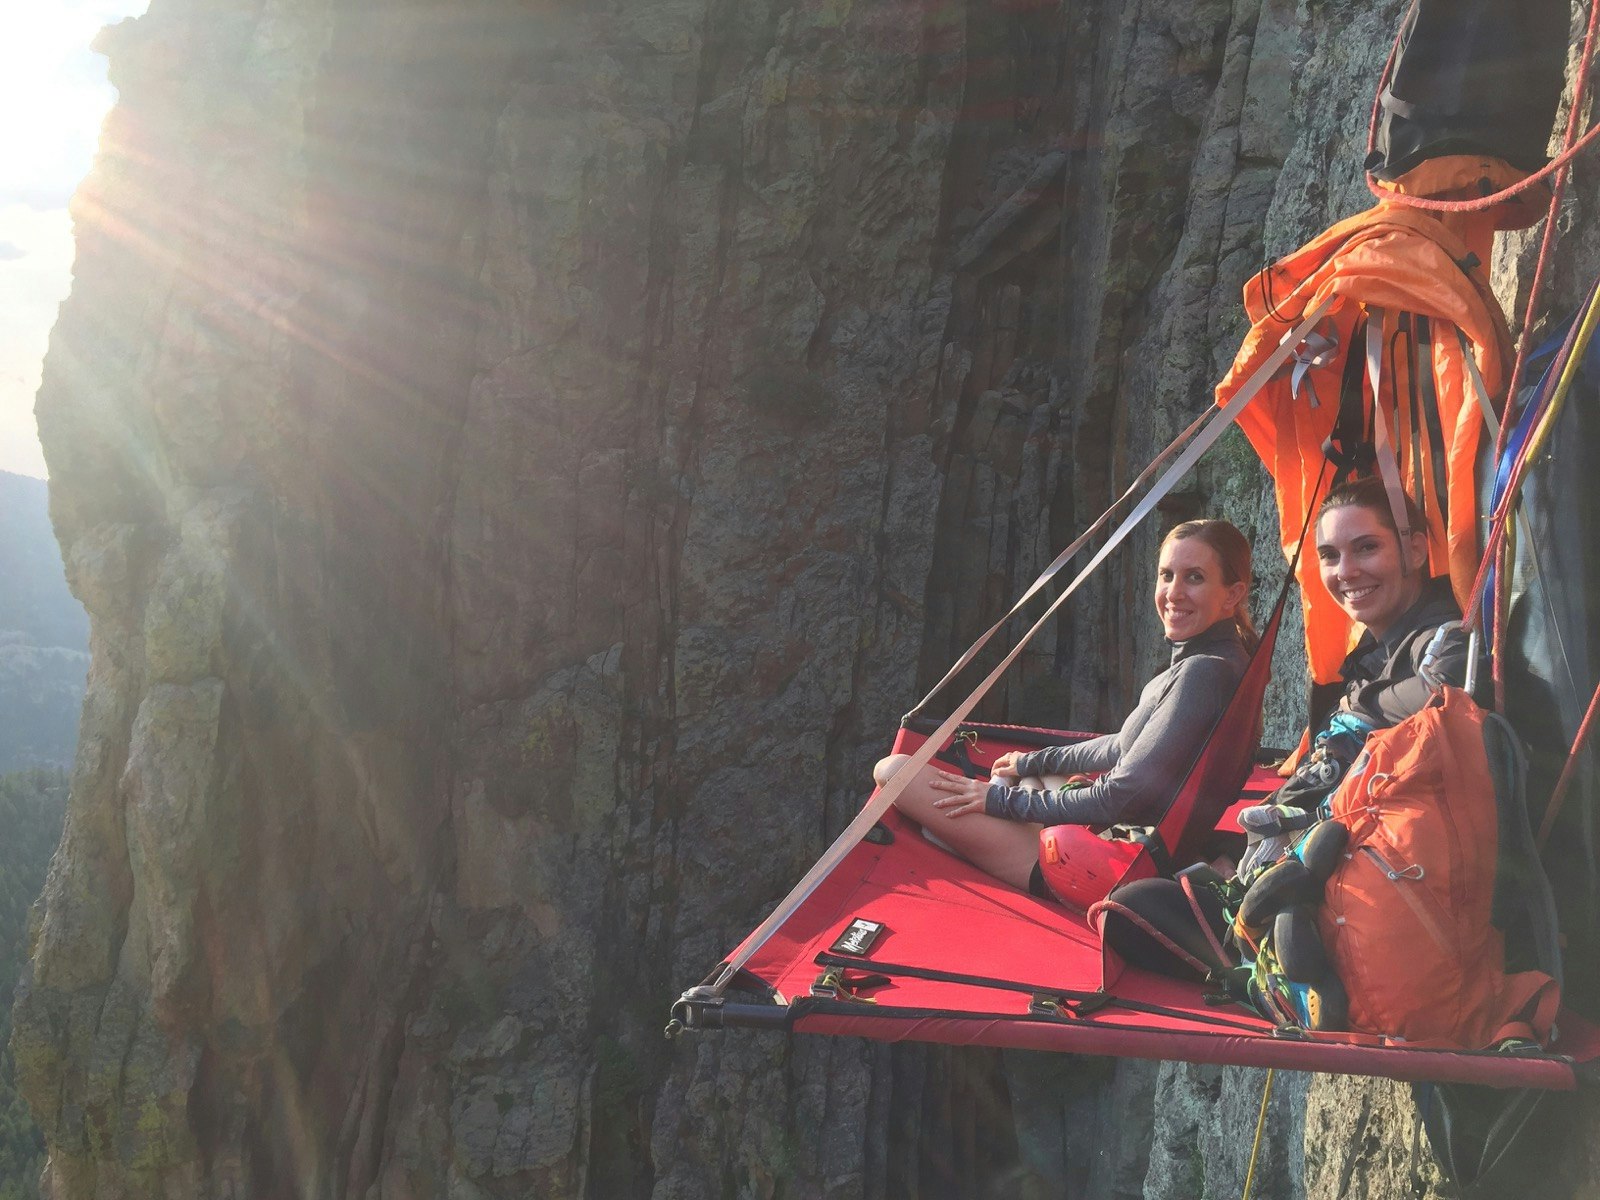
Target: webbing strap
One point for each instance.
(920, 757)
(1061, 560)
(1382, 444)
(1485, 405)
(1096, 999)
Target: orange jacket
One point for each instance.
(1399, 260)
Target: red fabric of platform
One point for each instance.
(934, 912)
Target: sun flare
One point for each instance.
(53, 100)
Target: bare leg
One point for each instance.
(1007, 850)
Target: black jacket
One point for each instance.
(1381, 684)
(1381, 688)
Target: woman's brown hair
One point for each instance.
(1368, 491)
(1233, 551)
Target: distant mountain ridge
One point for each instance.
(44, 634)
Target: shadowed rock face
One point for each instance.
(520, 460)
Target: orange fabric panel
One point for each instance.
(1471, 177)
(1398, 260)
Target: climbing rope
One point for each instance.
(1261, 1125)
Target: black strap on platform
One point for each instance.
(1075, 1003)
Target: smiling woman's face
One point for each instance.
(1361, 567)
(1190, 593)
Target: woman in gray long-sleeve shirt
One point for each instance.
(1201, 584)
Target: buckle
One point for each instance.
(835, 984)
(1054, 1004)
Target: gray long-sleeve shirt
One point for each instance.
(1143, 762)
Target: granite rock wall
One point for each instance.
(520, 461)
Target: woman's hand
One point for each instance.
(1005, 768)
(966, 795)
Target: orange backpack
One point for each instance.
(1409, 916)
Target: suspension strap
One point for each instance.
(897, 783)
(1382, 443)
(1084, 1002)
(1349, 445)
(1479, 389)
(1435, 449)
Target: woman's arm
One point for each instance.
(1148, 772)
(1080, 758)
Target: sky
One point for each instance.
(53, 97)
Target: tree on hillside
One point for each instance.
(32, 805)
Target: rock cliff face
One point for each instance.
(520, 460)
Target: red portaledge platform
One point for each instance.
(939, 913)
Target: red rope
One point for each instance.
(1567, 771)
(1097, 917)
(1200, 919)
(1497, 543)
(1484, 202)
(1502, 617)
(1557, 167)
(1580, 88)
(1571, 146)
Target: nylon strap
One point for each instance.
(1099, 999)
(919, 758)
(1097, 914)
(1382, 444)
(1485, 405)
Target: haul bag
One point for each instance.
(1407, 918)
